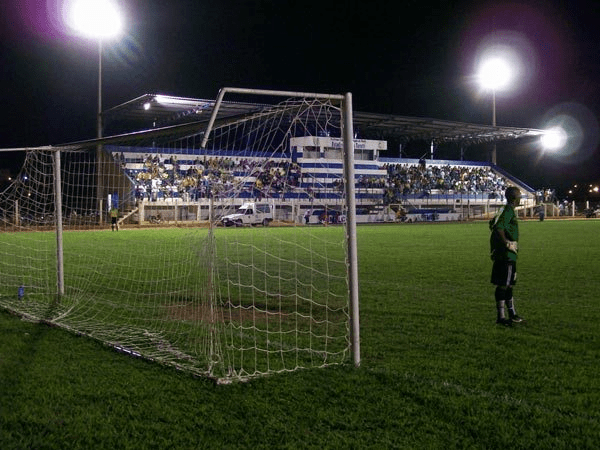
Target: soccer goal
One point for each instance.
(213, 246)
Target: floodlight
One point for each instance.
(554, 139)
(95, 18)
(495, 74)
(170, 100)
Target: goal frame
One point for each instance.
(345, 101)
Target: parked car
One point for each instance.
(249, 214)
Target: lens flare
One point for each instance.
(554, 139)
(573, 135)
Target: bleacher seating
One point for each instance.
(427, 179)
(194, 176)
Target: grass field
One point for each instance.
(436, 371)
(233, 304)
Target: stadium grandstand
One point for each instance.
(174, 187)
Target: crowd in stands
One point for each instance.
(422, 179)
(164, 178)
(545, 196)
(262, 177)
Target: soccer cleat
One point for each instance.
(517, 319)
(505, 322)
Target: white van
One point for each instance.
(249, 214)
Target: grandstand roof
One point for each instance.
(418, 128)
(155, 110)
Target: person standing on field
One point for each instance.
(504, 250)
(114, 215)
(307, 216)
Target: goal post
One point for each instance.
(348, 159)
(233, 249)
(351, 231)
(60, 267)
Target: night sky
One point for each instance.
(413, 58)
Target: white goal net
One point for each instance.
(228, 260)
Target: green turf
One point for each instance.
(149, 291)
(436, 371)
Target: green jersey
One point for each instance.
(506, 220)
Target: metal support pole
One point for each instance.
(60, 275)
(140, 211)
(493, 156)
(99, 156)
(99, 116)
(494, 107)
(351, 227)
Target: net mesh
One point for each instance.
(220, 260)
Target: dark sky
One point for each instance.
(415, 58)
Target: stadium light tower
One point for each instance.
(97, 19)
(494, 74)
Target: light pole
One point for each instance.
(494, 74)
(493, 155)
(97, 19)
(99, 125)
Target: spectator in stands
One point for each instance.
(504, 249)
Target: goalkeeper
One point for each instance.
(504, 250)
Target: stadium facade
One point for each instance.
(173, 186)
